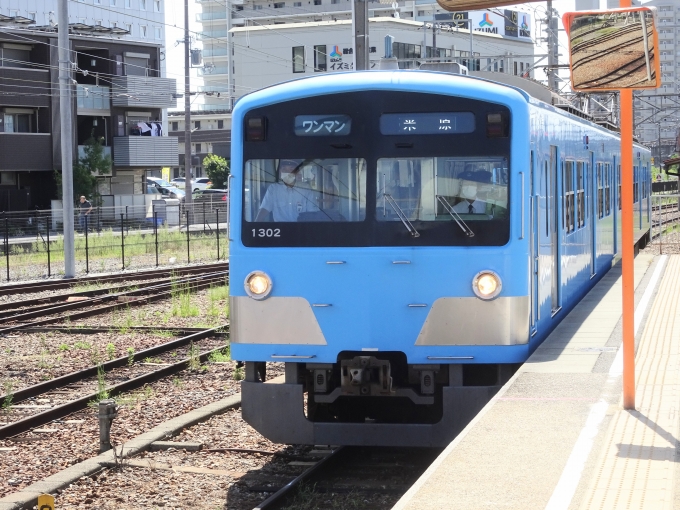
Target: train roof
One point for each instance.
(423, 81)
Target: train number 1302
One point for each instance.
(266, 232)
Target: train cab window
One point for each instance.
(305, 190)
(600, 191)
(580, 195)
(447, 189)
(568, 199)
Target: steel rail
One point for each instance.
(40, 310)
(23, 288)
(90, 330)
(17, 427)
(278, 499)
(102, 309)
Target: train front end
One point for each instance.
(378, 249)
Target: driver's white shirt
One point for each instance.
(286, 203)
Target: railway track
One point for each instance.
(51, 285)
(100, 304)
(75, 382)
(621, 31)
(376, 476)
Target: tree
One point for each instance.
(86, 169)
(217, 169)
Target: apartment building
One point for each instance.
(118, 94)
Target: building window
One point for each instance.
(142, 31)
(279, 5)
(20, 122)
(515, 67)
(142, 5)
(128, 27)
(14, 55)
(239, 7)
(157, 32)
(197, 124)
(31, 15)
(113, 2)
(297, 4)
(335, 1)
(220, 124)
(175, 126)
(317, 2)
(299, 58)
(98, 23)
(128, 4)
(257, 7)
(198, 148)
(157, 5)
(320, 57)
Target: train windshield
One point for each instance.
(305, 190)
(456, 189)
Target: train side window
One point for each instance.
(568, 199)
(635, 184)
(547, 199)
(600, 192)
(607, 190)
(618, 180)
(580, 192)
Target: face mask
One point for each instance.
(469, 191)
(288, 178)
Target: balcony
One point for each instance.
(206, 35)
(145, 151)
(22, 87)
(26, 151)
(143, 92)
(210, 16)
(212, 71)
(93, 100)
(215, 52)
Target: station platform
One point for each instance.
(556, 435)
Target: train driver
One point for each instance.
(283, 199)
(471, 178)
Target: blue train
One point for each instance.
(403, 240)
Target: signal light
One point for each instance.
(256, 129)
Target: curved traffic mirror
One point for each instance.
(614, 49)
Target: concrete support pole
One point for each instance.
(230, 53)
(187, 111)
(66, 125)
(360, 26)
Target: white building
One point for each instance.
(279, 41)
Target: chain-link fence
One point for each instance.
(666, 223)
(114, 238)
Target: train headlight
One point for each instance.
(258, 285)
(486, 284)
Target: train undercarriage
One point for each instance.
(376, 399)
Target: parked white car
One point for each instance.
(196, 184)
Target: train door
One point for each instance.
(534, 245)
(592, 185)
(554, 237)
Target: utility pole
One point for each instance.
(187, 113)
(229, 51)
(552, 48)
(434, 33)
(66, 139)
(360, 26)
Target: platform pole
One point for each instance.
(627, 255)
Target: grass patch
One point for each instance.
(221, 357)
(82, 345)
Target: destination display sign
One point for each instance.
(427, 123)
(323, 125)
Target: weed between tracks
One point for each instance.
(307, 498)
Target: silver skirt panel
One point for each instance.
(283, 320)
(472, 321)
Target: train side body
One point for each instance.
(381, 328)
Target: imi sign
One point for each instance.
(510, 23)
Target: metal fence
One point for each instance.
(666, 223)
(113, 238)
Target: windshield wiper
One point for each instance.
(402, 216)
(467, 230)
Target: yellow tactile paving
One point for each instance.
(636, 466)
